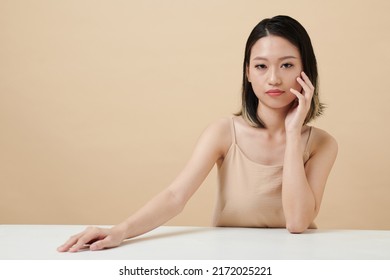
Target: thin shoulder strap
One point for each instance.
(308, 141)
(233, 131)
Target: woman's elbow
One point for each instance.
(298, 223)
(296, 227)
(176, 201)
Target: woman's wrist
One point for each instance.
(293, 135)
(122, 229)
(293, 142)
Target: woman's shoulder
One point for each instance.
(226, 126)
(322, 139)
(220, 130)
(222, 125)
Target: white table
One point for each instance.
(39, 242)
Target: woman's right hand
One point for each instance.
(96, 238)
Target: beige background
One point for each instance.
(101, 102)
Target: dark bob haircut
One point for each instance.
(291, 30)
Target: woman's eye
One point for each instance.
(287, 65)
(260, 66)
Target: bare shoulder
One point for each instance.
(219, 133)
(221, 125)
(220, 128)
(322, 140)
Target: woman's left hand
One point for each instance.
(300, 107)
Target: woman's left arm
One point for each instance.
(304, 184)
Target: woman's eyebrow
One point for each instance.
(280, 58)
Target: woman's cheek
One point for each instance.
(297, 86)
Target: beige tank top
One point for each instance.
(250, 194)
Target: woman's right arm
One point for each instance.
(211, 146)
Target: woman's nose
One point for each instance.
(274, 77)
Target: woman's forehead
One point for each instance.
(274, 47)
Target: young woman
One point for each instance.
(272, 166)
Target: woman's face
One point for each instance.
(273, 69)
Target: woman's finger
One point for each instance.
(307, 80)
(84, 240)
(70, 242)
(309, 92)
(305, 87)
(299, 95)
(107, 242)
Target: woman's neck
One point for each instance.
(273, 119)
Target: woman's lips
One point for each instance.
(274, 92)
